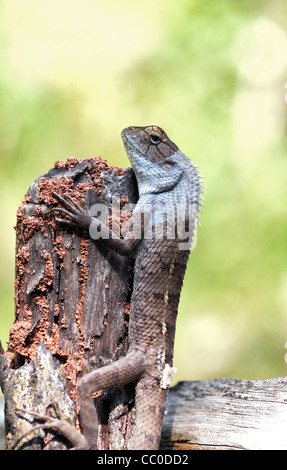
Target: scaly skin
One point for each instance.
(166, 178)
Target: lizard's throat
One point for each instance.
(151, 177)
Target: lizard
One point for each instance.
(168, 184)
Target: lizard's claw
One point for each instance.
(78, 214)
(75, 437)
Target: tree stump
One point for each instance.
(71, 307)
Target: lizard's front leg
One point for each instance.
(78, 216)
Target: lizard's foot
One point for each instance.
(78, 214)
(78, 441)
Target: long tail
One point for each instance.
(150, 407)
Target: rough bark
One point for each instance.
(72, 300)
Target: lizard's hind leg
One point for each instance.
(126, 370)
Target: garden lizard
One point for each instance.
(160, 234)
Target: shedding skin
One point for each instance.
(168, 183)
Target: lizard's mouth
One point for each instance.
(131, 145)
(126, 137)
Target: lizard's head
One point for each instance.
(151, 142)
(151, 152)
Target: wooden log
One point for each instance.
(227, 414)
(223, 414)
(72, 300)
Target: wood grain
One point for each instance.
(227, 414)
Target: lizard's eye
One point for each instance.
(154, 138)
(167, 165)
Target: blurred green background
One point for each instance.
(213, 74)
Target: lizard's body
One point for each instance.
(166, 178)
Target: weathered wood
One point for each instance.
(72, 299)
(38, 385)
(223, 414)
(226, 414)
